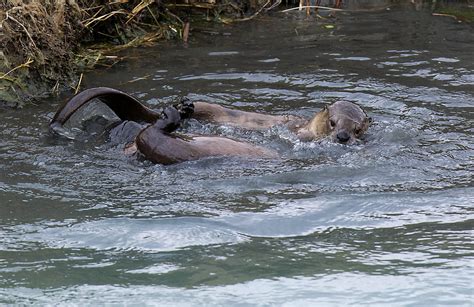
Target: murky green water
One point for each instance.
(385, 223)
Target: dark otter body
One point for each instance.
(168, 149)
(153, 137)
(157, 144)
(123, 105)
(155, 141)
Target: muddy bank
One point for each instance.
(47, 44)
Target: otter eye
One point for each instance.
(332, 123)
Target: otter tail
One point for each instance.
(125, 106)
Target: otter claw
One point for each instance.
(185, 107)
(170, 120)
(172, 116)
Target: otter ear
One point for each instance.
(368, 121)
(325, 110)
(324, 113)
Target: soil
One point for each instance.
(39, 39)
(46, 44)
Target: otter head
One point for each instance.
(347, 122)
(343, 121)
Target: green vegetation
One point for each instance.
(465, 14)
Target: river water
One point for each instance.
(387, 222)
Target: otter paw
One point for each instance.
(170, 119)
(185, 107)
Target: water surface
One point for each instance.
(388, 222)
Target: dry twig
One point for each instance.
(24, 65)
(24, 28)
(78, 84)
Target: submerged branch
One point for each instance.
(312, 7)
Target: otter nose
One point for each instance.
(343, 137)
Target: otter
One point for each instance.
(344, 122)
(155, 140)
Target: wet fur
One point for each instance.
(163, 148)
(159, 144)
(249, 120)
(347, 117)
(316, 128)
(124, 106)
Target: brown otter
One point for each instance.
(125, 106)
(345, 122)
(157, 144)
(155, 140)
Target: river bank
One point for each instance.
(47, 45)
